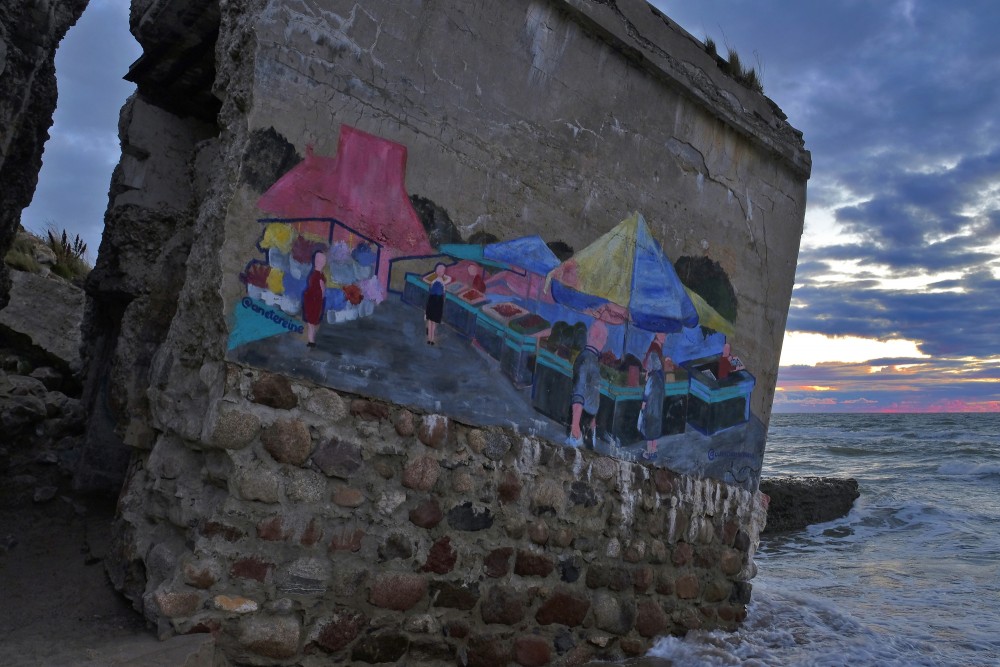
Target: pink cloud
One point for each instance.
(937, 385)
(944, 406)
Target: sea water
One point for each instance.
(910, 577)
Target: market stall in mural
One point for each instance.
(607, 350)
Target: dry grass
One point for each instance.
(70, 253)
(746, 75)
(71, 263)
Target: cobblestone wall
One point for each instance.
(312, 527)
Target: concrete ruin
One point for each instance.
(299, 523)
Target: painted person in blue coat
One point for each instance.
(650, 424)
(586, 398)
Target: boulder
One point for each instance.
(44, 315)
(797, 502)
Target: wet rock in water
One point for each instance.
(797, 502)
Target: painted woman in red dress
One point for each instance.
(728, 364)
(313, 297)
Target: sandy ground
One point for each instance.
(57, 606)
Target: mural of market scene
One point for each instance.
(606, 348)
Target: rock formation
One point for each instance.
(799, 502)
(41, 417)
(45, 313)
(30, 31)
(42, 429)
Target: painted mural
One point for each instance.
(607, 350)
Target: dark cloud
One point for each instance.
(809, 269)
(956, 254)
(938, 220)
(955, 323)
(76, 171)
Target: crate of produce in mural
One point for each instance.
(608, 349)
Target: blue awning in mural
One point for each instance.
(471, 251)
(529, 253)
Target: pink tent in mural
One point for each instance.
(362, 187)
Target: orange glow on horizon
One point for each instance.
(804, 387)
(943, 406)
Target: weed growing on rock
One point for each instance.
(55, 252)
(70, 262)
(746, 75)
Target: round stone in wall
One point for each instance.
(288, 441)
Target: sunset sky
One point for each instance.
(897, 297)
(897, 293)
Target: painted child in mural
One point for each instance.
(651, 411)
(586, 398)
(476, 278)
(728, 363)
(669, 370)
(313, 298)
(435, 302)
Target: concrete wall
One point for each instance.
(277, 513)
(539, 117)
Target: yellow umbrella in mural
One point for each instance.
(625, 277)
